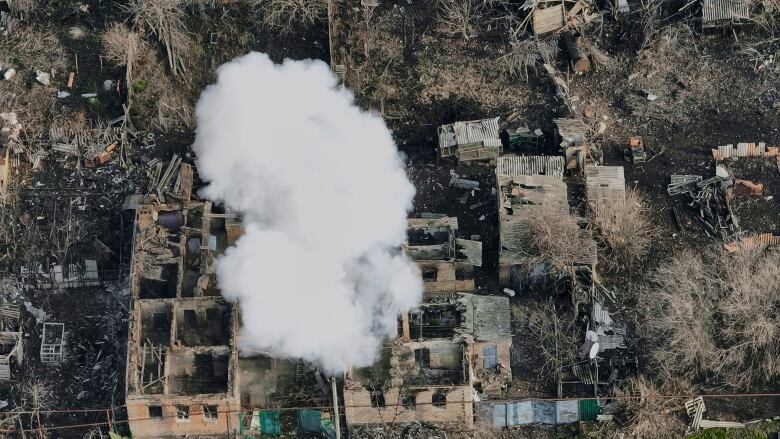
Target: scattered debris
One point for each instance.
(710, 196)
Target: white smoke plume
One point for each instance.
(324, 200)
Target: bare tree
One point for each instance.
(553, 333)
(460, 17)
(712, 316)
(558, 238)
(624, 227)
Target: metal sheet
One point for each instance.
(514, 166)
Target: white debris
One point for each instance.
(108, 84)
(62, 94)
(651, 97)
(76, 32)
(720, 171)
(43, 77)
(9, 74)
(538, 132)
(39, 314)
(509, 292)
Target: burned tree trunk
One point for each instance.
(579, 56)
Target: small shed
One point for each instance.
(471, 140)
(486, 317)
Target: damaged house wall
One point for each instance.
(445, 262)
(450, 349)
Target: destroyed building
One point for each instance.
(471, 141)
(181, 361)
(451, 351)
(184, 373)
(447, 263)
(523, 199)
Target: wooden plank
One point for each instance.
(548, 19)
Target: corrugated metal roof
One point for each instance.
(605, 182)
(529, 412)
(475, 131)
(725, 10)
(513, 166)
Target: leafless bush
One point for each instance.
(122, 46)
(558, 238)
(528, 54)
(37, 395)
(285, 15)
(650, 19)
(624, 226)
(24, 6)
(167, 20)
(651, 415)
(712, 316)
(460, 17)
(553, 332)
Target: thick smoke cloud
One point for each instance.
(324, 201)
